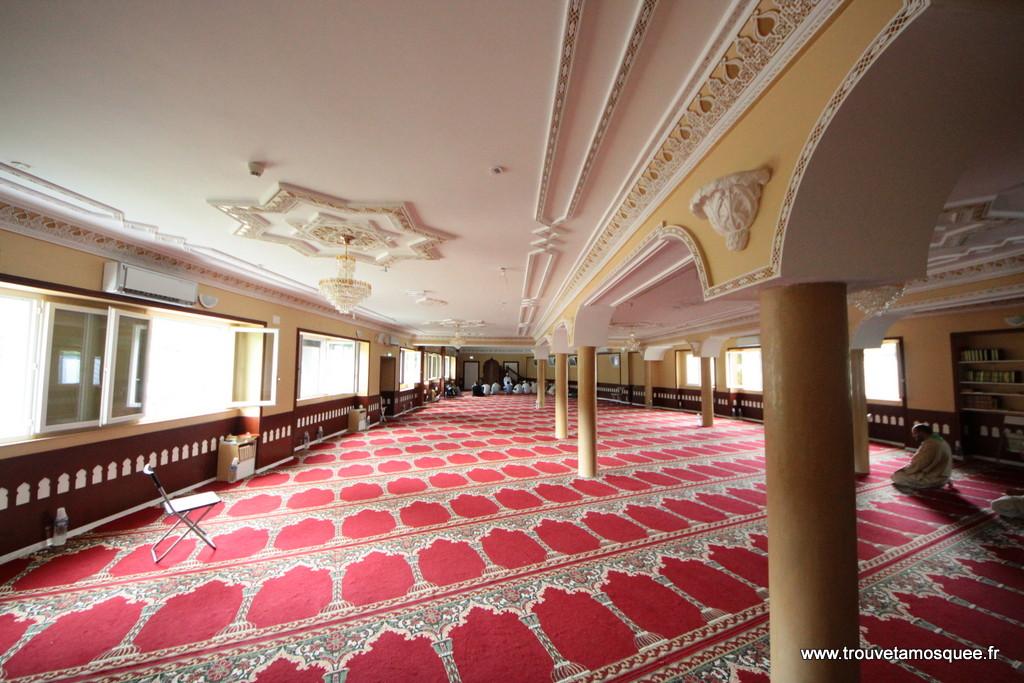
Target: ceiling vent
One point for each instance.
(129, 280)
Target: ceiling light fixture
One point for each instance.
(633, 344)
(458, 340)
(345, 292)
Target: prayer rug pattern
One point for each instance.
(456, 543)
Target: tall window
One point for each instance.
(743, 369)
(190, 372)
(449, 364)
(17, 342)
(693, 370)
(882, 372)
(409, 368)
(76, 352)
(328, 366)
(433, 366)
(128, 360)
(75, 366)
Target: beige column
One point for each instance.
(542, 381)
(561, 395)
(649, 382)
(812, 534)
(707, 394)
(586, 410)
(859, 405)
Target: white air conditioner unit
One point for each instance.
(122, 278)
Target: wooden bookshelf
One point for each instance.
(988, 372)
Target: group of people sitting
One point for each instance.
(507, 387)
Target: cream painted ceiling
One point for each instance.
(155, 108)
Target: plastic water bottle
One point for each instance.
(60, 528)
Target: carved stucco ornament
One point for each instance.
(730, 204)
(877, 300)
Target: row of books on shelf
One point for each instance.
(986, 402)
(981, 354)
(1003, 376)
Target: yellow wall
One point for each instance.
(636, 368)
(928, 362)
(608, 373)
(31, 258)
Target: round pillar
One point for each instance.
(542, 381)
(707, 394)
(561, 395)
(812, 533)
(586, 408)
(649, 382)
(859, 406)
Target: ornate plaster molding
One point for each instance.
(974, 272)
(456, 323)
(636, 38)
(735, 73)
(1004, 294)
(877, 300)
(574, 12)
(316, 224)
(65, 233)
(730, 204)
(910, 11)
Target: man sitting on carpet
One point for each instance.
(932, 464)
(478, 388)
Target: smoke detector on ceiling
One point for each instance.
(497, 170)
(256, 168)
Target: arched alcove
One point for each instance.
(893, 141)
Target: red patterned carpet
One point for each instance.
(457, 544)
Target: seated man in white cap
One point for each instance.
(931, 465)
(495, 389)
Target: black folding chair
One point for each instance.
(181, 508)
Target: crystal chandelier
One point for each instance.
(345, 292)
(633, 344)
(458, 340)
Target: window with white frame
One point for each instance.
(882, 372)
(743, 369)
(88, 365)
(17, 364)
(328, 366)
(449, 363)
(190, 372)
(693, 370)
(433, 367)
(409, 368)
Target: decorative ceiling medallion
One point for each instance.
(423, 298)
(455, 323)
(633, 326)
(319, 225)
(730, 204)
